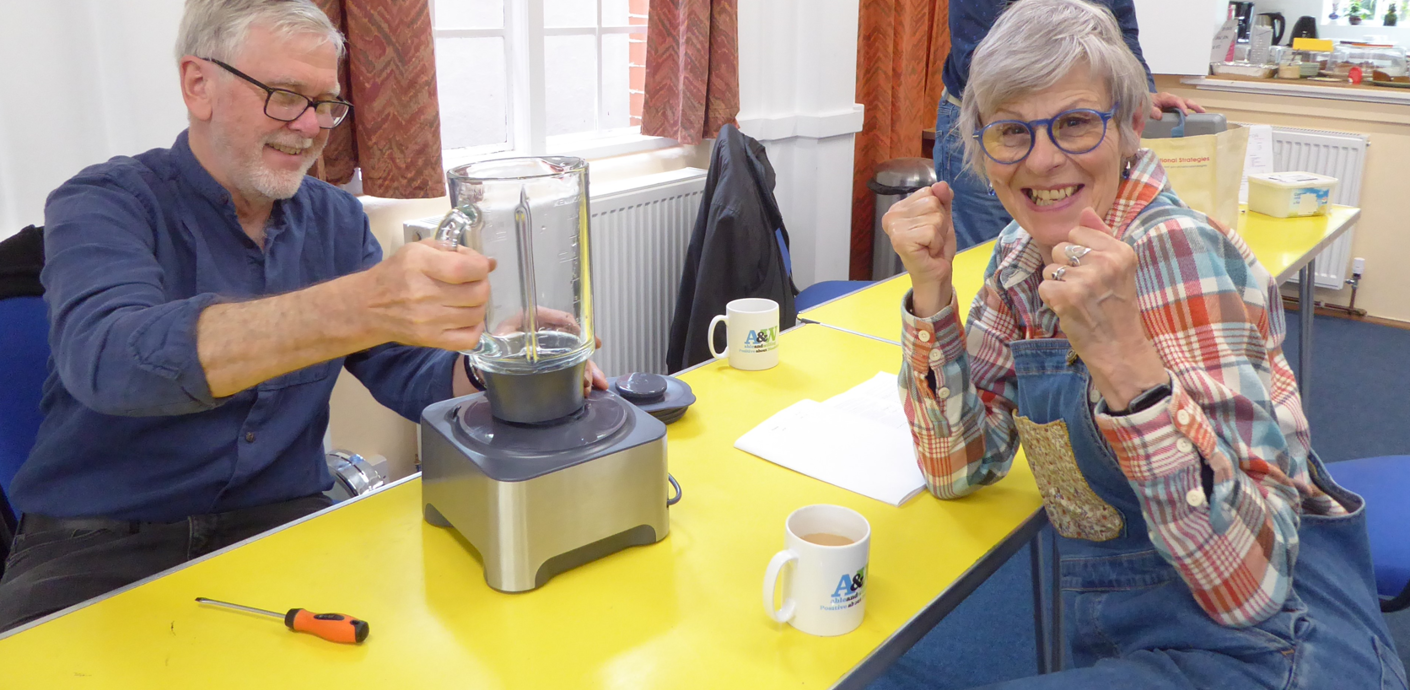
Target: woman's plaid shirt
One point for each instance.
(1234, 406)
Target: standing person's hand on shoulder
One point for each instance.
(923, 235)
(424, 295)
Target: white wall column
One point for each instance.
(797, 94)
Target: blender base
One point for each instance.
(571, 508)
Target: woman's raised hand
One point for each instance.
(923, 235)
(1090, 283)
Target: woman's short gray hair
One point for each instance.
(217, 28)
(1035, 44)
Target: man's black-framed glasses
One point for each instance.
(286, 106)
(1076, 131)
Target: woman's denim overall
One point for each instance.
(1132, 622)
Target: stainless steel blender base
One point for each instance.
(529, 530)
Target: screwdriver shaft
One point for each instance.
(249, 609)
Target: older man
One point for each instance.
(202, 301)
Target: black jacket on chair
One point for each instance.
(21, 260)
(733, 250)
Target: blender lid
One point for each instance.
(668, 406)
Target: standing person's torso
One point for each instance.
(261, 445)
(970, 21)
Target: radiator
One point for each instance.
(1337, 154)
(639, 236)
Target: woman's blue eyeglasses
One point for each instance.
(1075, 131)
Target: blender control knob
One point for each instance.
(642, 388)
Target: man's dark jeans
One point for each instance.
(52, 568)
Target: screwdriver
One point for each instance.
(334, 627)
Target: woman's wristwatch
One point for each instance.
(472, 374)
(1146, 400)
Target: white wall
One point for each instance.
(797, 95)
(1176, 36)
(83, 80)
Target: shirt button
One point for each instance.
(1184, 445)
(1151, 536)
(249, 437)
(943, 393)
(1183, 417)
(1094, 396)
(924, 336)
(1195, 497)
(935, 356)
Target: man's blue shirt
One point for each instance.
(135, 249)
(970, 21)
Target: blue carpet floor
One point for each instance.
(1359, 407)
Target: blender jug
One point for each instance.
(531, 216)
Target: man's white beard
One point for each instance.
(255, 179)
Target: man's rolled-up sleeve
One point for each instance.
(120, 345)
(402, 378)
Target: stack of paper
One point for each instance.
(858, 440)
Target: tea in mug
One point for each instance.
(826, 539)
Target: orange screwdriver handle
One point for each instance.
(334, 627)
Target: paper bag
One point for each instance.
(1206, 171)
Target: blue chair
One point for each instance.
(1385, 484)
(24, 363)
(817, 293)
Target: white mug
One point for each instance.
(751, 333)
(826, 592)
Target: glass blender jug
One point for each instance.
(531, 216)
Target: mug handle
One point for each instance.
(710, 336)
(784, 614)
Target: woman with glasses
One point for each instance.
(1134, 348)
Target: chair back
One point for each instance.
(24, 364)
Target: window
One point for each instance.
(539, 76)
(1367, 13)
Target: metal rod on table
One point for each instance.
(1057, 637)
(1035, 553)
(1306, 311)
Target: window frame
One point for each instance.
(523, 33)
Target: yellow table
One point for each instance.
(1285, 246)
(684, 613)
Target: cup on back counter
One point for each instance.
(751, 333)
(824, 593)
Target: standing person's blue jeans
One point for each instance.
(978, 214)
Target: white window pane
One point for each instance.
(473, 87)
(616, 12)
(616, 82)
(570, 12)
(570, 83)
(469, 14)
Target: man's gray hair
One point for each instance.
(1035, 44)
(217, 28)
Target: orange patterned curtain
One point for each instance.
(901, 48)
(394, 133)
(692, 69)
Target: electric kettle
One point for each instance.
(1276, 21)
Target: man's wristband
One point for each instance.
(472, 374)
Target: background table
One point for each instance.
(684, 613)
(1285, 246)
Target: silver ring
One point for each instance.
(1057, 275)
(1075, 252)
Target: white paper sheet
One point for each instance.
(1259, 158)
(858, 440)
